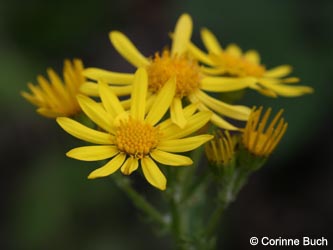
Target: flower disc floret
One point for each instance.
(136, 138)
(165, 66)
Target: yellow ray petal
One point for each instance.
(280, 71)
(93, 153)
(264, 91)
(50, 94)
(184, 145)
(189, 110)
(96, 113)
(126, 104)
(225, 84)
(30, 98)
(278, 138)
(182, 35)
(127, 49)
(286, 90)
(108, 76)
(150, 101)
(210, 41)
(194, 123)
(153, 174)
(290, 80)
(84, 133)
(221, 123)
(77, 71)
(58, 85)
(252, 56)
(199, 55)
(110, 100)
(37, 92)
(237, 112)
(234, 50)
(162, 102)
(121, 90)
(212, 71)
(130, 165)
(170, 159)
(109, 168)
(215, 119)
(177, 113)
(91, 89)
(139, 94)
(71, 82)
(48, 113)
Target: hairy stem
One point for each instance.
(139, 201)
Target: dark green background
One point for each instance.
(46, 199)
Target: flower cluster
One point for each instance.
(143, 120)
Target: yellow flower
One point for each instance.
(191, 81)
(234, 65)
(258, 141)
(135, 138)
(221, 149)
(56, 97)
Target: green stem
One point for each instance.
(195, 185)
(227, 194)
(191, 185)
(139, 201)
(177, 227)
(215, 219)
(225, 197)
(173, 195)
(240, 181)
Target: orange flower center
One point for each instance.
(165, 66)
(136, 138)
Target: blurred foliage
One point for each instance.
(48, 202)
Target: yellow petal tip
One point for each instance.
(92, 176)
(162, 187)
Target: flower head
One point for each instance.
(233, 64)
(191, 81)
(221, 149)
(56, 97)
(258, 141)
(135, 137)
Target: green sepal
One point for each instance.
(248, 161)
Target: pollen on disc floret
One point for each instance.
(165, 66)
(136, 138)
